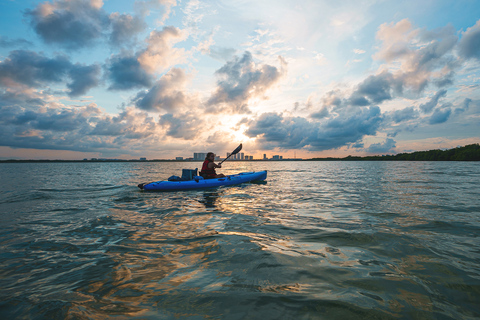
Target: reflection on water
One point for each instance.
(318, 240)
(209, 198)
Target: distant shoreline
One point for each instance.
(467, 153)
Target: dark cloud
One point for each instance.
(34, 70)
(124, 28)
(404, 114)
(185, 126)
(373, 90)
(387, 146)
(430, 105)
(165, 94)
(82, 128)
(75, 24)
(273, 130)
(440, 116)
(469, 45)
(446, 80)
(127, 124)
(83, 79)
(242, 79)
(125, 72)
(333, 99)
(5, 42)
(464, 107)
(69, 23)
(322, 113)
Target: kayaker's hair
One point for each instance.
(208, 155)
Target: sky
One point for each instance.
(167, 78)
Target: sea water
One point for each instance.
(317, 240)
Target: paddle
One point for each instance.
(231, 154)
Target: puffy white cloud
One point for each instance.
(242, 79)
(417, 57)
(160, 53)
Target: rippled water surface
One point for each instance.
(318, 240)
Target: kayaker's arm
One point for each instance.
(214, 165)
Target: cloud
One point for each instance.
(182, 126)
(28, 68)
(440, 116)
(125, 72)
(80, 128)
(387, 146)
(128, 124)
(160, 53)
(32, 69)
(75, 24)
(124, 28)
(430, 105)
(469, 45)
(83, 79)
(70, 23)
(221, 53)
(5, 42)
(130, 71)
(373, 90)
(242, 79)
(145, 7)
(166, 94)
(320, 114)
(417, 57)
(404, 114)
(274, 130)
(465, 106)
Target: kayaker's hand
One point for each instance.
(219, 165)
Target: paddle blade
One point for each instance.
(238, 149)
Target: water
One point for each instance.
(319, 240)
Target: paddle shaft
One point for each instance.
(231, 154)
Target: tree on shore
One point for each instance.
(467, 153)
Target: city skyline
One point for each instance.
(151, 78)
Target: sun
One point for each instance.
(232, 125)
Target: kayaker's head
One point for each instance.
(210, 156)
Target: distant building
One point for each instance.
(199, 156)
(276, 157)
(179, 158)
(264, 156)
(143, 159)
(242, 156)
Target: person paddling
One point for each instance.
(208, 167)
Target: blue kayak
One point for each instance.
(200, 183)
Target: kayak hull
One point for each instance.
(204, 183)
